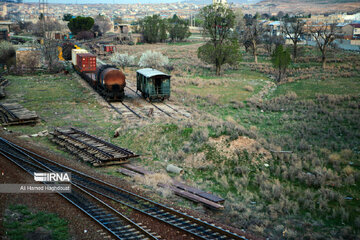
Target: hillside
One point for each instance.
(229, 1)
(307, 6)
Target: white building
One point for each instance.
(3, 10)
(220, 1)
(352, 17)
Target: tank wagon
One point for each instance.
(110, 82)
(105, 79)
(153, 84)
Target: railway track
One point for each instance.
(195, 227)
(162, 107)
(132, 111)
(161, 110)
(117, 224)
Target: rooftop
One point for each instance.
(150, 72)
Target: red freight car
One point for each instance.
(86, 62)
(109, 48)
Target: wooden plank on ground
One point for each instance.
(192, 197)
(127, 172)
(198, 192)
(137, 169)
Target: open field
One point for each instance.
(286, 158)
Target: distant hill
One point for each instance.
(229, 1)
(309, 1)
(307, 6)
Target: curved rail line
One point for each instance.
(117, 224)
(194, 226)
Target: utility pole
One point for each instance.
(43, 6)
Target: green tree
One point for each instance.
(67, 17)
(80, 24)
(163, 31)
(223, 47)
(178, 28)
(151, 27)
(281, 60)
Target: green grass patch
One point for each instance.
(27, 222)
(309, 88)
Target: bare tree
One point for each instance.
(252, 36)
(271, 42)
(51, 55)
(294, 28)
(102, 24)
(45, 28)
(324, 35)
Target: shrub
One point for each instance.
(349, 170)
(249, 88)
(346, 154)
(334, 158)
(153, 60)
(7, 51)
(84, 35)
(122, 60)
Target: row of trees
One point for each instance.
(155, 29)
(227, 29)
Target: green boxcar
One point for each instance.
(153, 84)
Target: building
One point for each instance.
(6, 25)
(356, 30)
(28, 57)
(220, 2)
(344, 31)
(3, 10)
(275, 28)
(352, 17)
(122, 28)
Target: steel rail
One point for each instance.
(84, 143)
(215, 229)
(9, 112)
(136, 114)
(103, 221)
(122, 150)
(150, 102)
(74, 149)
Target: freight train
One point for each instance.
(105, 79)
(110, 81)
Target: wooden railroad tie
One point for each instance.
(180, 189)
(15, 114)
(90, 148)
